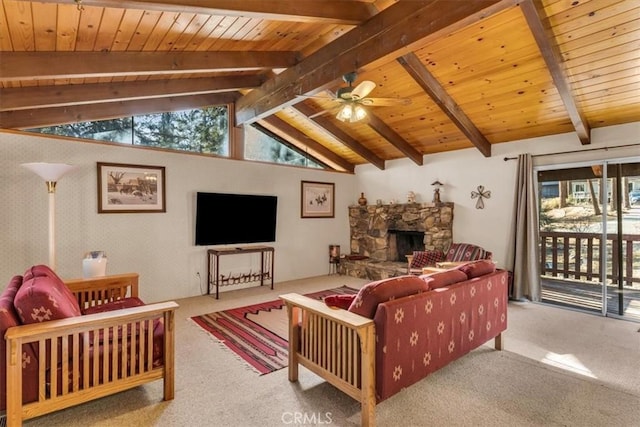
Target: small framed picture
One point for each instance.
(126, 188)
(318, 199)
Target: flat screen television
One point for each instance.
(223, 219)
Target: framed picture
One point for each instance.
(318, 199)
(130, 188)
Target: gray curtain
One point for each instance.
(525, 262)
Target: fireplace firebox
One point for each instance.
(402, 243)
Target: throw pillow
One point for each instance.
(374, 293)
(477, 268)
(424, 258)
(443, 278)
(45, 297)
(339, 301)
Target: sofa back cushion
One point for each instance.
(443, 278)
(374, 293)
(477, 268)
(8, 319)
(459, 252)
(43, 297)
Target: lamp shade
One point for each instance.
(49, 171)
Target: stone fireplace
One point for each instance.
(381, 236)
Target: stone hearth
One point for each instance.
(373, 234)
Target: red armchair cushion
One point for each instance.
(424, 258)
(43, 296)
(40, 270)
(444, 278)
(339, 301)
(374, 293)
(8, 319)
(477, 268)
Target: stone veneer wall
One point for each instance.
(370, 226)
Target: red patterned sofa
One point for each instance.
(68, 343)
(457, 252)
(397, 331)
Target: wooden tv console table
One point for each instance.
(213, 267)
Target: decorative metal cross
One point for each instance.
(480, 194)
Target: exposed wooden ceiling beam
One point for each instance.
(58, 96)
(40, 117)
(340, 135)
(538, 22)
(396, 30)
(434, 89)
(279, 126)
(332, 11)
(39, 65)
(396, 140)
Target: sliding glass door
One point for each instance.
(622, 225)
(590, 238)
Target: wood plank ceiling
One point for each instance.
(476, 73)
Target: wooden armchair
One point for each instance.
(85, 357)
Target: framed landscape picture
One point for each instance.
(318, 199)
(126, 188)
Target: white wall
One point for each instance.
(462, 171)
(159, 246)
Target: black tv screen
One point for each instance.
(235, 218)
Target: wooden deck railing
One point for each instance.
(577, 256)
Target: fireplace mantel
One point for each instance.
(371, 224)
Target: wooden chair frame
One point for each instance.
(337, 345)
(72, 339)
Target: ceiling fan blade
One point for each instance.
(328, 98)
(362, 90)
(325, 111)
(385, 102)
(318, 114)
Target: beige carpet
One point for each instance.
(559, 368)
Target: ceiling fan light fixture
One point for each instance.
(345, 113)
(359, 113)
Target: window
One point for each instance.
(262, 145)
(203, 130)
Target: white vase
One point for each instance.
(94, 267)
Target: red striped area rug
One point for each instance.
(257, 333)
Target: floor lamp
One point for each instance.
(51, 173)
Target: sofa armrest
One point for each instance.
(100, 290)
(335, 344)
(71, 346)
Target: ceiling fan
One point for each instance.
(353, 100)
